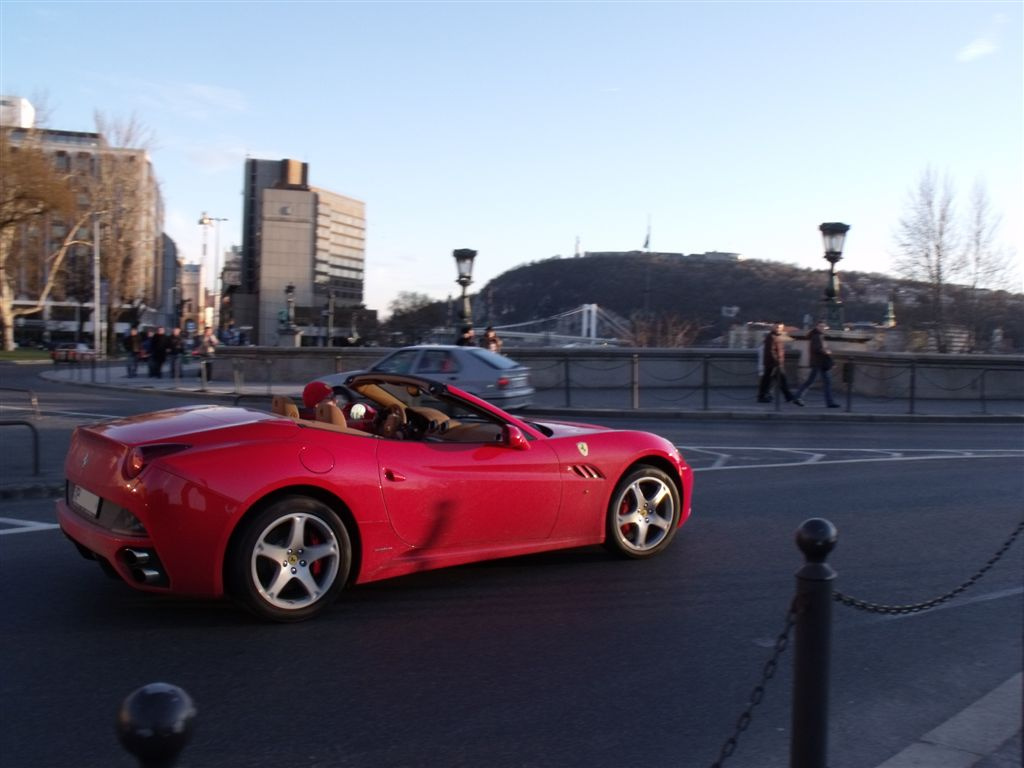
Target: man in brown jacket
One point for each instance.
(775, 366)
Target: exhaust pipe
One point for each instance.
(137, 556)
(147, 575)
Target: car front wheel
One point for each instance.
(643, 514)
(292, 560)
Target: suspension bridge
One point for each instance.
(586, 325)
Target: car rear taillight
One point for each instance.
(139, 456)
(503, 382)
(134, 463)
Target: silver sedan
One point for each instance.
(480, 372)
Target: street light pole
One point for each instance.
(331, 294)
(464, 264)
(213, 221)
(289, 294)
(174, 292)
(834, 235)
(97, 326)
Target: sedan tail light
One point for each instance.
(502, 382)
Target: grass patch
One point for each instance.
(25, 354)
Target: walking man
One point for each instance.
(175, 349)
(820, 360)
(133, 346)
(775, 366)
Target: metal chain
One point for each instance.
(862, 605)
(756, 695)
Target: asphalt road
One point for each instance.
(565, 659)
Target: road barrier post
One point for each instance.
(155, 722)
(812, 645)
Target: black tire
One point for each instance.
(643, 514)
(291, 561)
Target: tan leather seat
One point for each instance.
(328, 412)
(283, 405)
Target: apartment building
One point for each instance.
(137, 263)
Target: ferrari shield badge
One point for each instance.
(583, 448)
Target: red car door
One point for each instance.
(469, 494)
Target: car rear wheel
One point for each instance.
(643, 514)
(292, 559)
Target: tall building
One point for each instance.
(297, 236)
(137, 262)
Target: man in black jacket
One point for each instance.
(820, 361)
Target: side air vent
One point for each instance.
(586, 471)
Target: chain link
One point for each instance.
(863, 605)
(756, 695)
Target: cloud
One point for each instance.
(977, 49)
(197, 101)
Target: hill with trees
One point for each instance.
(676, 300)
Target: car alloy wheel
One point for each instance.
(643, 514)
(292, 560)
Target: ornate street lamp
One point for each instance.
(834, 235)
(464, 263)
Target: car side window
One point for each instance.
(436, 361)
(399, 362)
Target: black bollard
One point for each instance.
(154, 724)
(812, 646)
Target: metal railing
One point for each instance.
(809, 622)
(35, 439)
(702, 382)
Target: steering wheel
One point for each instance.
(391, 421)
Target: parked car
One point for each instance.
(488, 375)
(401, 475)
(71, 353)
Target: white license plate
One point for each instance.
(86, 500)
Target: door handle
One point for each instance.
(395, 477)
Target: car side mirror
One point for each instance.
(515, 438)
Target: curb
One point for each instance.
(983, 729)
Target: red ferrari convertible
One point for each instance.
(389, 475)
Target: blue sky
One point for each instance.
(514, 128)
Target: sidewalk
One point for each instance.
(985, 735)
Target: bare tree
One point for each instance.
(929, 245)
(987, 264)
(34, 196)
(115, 183)
(124, 192)
(665, 329)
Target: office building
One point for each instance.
(302, 259)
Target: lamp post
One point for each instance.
(331, 295)
(175, 291)
(206, 221)
(97, 324)
(834, 235)
(289, 295)
(464, 263)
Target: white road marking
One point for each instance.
(48, 412)
(24, 526)
(804, 456)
